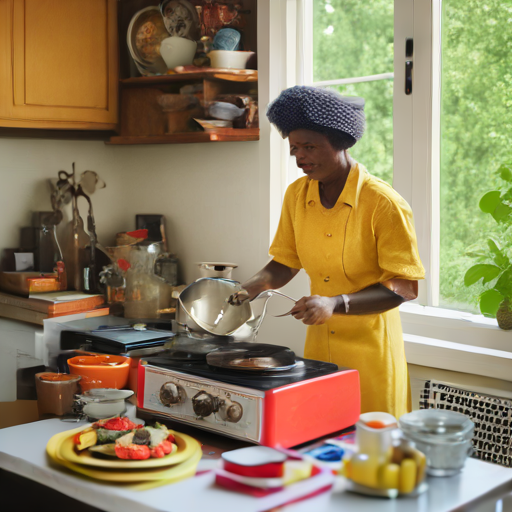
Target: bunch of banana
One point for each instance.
(402, 468)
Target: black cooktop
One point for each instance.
(305, 369)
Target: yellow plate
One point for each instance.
(66, 450)
(145, 479)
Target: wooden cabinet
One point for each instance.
(59, 64)
(143, 121)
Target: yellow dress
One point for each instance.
(368, 237)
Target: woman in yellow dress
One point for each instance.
(354, 236)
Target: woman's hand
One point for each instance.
(314, 310)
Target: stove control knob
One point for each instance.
(231, 411)
(205, 404)
(172, 394)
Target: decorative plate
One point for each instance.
(180, 19)
(145, 33)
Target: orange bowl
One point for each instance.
(101, 371)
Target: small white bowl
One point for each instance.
(229, 59)
(177, 51)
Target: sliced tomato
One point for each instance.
(133, 452)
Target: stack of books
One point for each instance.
(40, 306)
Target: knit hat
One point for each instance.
(322, 110)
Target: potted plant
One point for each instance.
(494, 265)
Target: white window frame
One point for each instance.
(437, 337)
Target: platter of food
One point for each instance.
(157, 455)
(137, 479)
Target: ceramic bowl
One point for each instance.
(102, 371)
(229, 59)
(177, 51)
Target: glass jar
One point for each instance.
(443, 436)
(166, 266)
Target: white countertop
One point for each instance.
(22, 451)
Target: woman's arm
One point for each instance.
(316, 310)
(271, 276)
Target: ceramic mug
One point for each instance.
(373, 432)
(177, 51)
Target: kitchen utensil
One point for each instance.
(97, 372)
(443, 436)
(177, 51)
(226, 39)
(270, 293)
(55, 393)
(100, 403)
(372, 441)
(225, 111)
(145, 33)
(136, 264)
(229, 59)
(206, 307)
(252, 357)
(212, 125)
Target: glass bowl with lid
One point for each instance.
(443, 436)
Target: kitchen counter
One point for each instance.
(22, 452)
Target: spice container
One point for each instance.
(443, 436)
(55, 393)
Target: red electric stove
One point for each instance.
(256, 392)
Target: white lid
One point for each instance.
(217, 264)
(254, 456)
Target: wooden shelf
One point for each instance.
(248, 75)
(220, 135)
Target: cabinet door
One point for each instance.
(58, 64)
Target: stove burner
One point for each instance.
(189, 348)
(252, 357)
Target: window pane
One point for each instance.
(352, 38)
(375, 149)
(476, 134)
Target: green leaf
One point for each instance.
(476, 272)
(507, 196)
(501, 212)
(490, 301)
(505, 172)
(504, 283)
(499, 258)
(490, 201)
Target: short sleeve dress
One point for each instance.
(368, 237)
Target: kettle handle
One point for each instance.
(269, 294)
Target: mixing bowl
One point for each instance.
(445, 437)
(101, 371)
